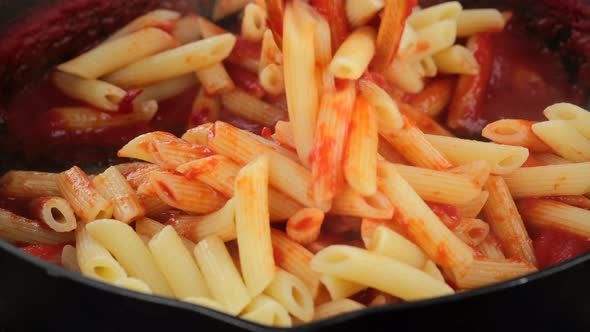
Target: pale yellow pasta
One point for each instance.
(89, 118)
(133, 284)
(503, 158)
(215, 79)
(435, 37)
(554, 214)
(221, 275)
(272, 79)
(429, 67)
(377, 271)
(54, 212)
(139, 147)
(472, 208)
(264, 310)
(456, 59)
(291, 293)
(94, 260)
(175, 62)
(474, 21)
(323, 40)
(206, 302)
(210, 29)
(219, 223)
(149, 228)
(404, 75)
(432, 270)
(335, 308)
(552, 180)
(390, 119)
(483, 272)
(348, 202)
(177, 264)
(431, 15)
(117, 54)
(224, 8)
(430, 234)
(340, 288)
(253, 22)
(491, 248)
(550, 159)
(166, 89)
(187, 29)
(86, 201)
(563, 137)
(574, 114)
(300, 84)
(27, 184)
(305, 225)
(408, 42)
(270, 53)
(388, 243)
(99, 94)
(155, 18)
(69, 259)
(112, 185)
(472, 231)
(360, 13)
(245, 105)
(16, 229)
(130, 251)
(354, 55)
(439, 186)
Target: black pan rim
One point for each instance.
(56, 271)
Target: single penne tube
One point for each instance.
(149, 228)
(264, 310)
(472, 231)
(486, 271)
(431, 269)
(54, 212)
(354, 55)
(16, 229)
(574, 114)
(404, 75)
(284, 174)
(209, 29)
(304, 226)
(292, 294)
(425, 123)
(505, 222)
(434, 99)
(379, 272)
(27, 184)
(219, 223)
(348, 202)
(564, 139)
(166, 89)
(270, 53)
(130, 251)
(206, 109)
(490, 247)
(417, 148)
(295, 259)
(300, 84)
(74, 118)
(113, 186)
(86, 201)
(503, 158)
(134, 284)
(428, 16)
(440, 244)
(388, 152)
(473, 21)
(224, 8)
(177, 264)
(161, 18)
(477, 171)
(456, 59)
(69, 259)
(554, 214)
(284, 134)
(253, 226)
(472, 208)
(326, 157)
(436, 37)
(439, 186)
(369, 226)
(247, 106)
(388, 243)
(272, 79)
(391, 30)
(552, 180)
(340, 289)
(220, 172)
(215, 79)
(99, 94)
(186, 29)
(94, 260)
(336, 308)
(175, 62)
(185, 194)
(253, 22)
(389, 117)
(360, 13)
(221, 275)
(110, 56)
(514, 132)
(360, 157)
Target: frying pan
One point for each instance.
(36, 295)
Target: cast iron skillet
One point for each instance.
(36, 295)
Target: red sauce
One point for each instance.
(126, 104)
(48, 252)
(554, 246)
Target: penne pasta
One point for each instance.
(26, 184)
(113, 186)
(573, 114)
(435, 37)
(249, 107)
(388, 243)
(55, 212)
(434, 99)
(206, 303)
(484, 272)
(161, 18)
(166, 89)
(472, 208)
(253, 22)
(350, 203)
(292, 294)
(69, 259)
(340, 289)
(557, 215)
(474, 21)
(99, 94)
(94, 260)
(490, 247)
(186, 29)
(175, 62)
(354, 55)
(336, 307)
(472, 231)
(305, 225)
(149, 228)
(389, 117)
(272, 79)
(405, 76)
(550, 159)
(515, 132)
(215, 79)
(564, 139)
(431, 15)
(16, 229)
(552, 180)
(360, 13)
(456, 59)
(86, 201)
(265, 310)
(77, 118)
(219, 223)
(133, 284)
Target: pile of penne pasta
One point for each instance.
(242, 223)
